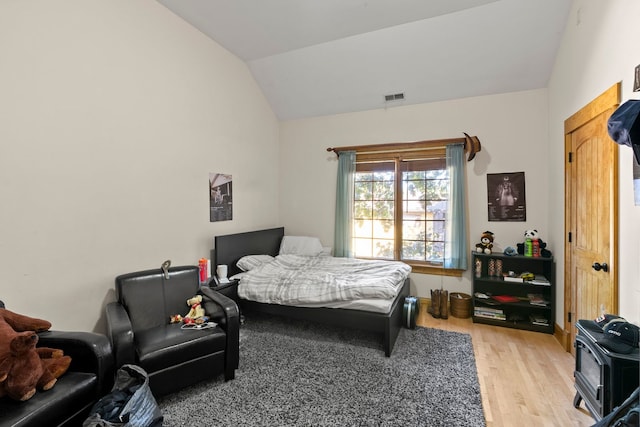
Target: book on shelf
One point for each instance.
(488, 310)
(539, 279)
(483, 298)
(490, 313)
(486, 316)
(489, 301)
(491, 316)
(537, 299)
(538, 320)
(510, 278)
(505, 298)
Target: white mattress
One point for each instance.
(372, 305)
(321, 281)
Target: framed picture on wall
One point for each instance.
(220, 197)
(506, 197)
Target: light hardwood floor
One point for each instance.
(526, 378)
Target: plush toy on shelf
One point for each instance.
(24, 368)
(533, 245)
(486, 243)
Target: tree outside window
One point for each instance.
(405, 202)
(402, 219)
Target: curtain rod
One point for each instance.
(471, 145)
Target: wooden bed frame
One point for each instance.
(231, 247)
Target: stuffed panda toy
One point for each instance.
(533, 235)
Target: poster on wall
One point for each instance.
(506, 197)
(220, 197)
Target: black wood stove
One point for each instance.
(603, 379)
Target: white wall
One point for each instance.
(600, 48)
(112, 115)
(511, 127)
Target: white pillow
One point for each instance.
(300, 245)
(249, 262)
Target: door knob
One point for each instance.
(597, 266)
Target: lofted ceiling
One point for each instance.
(320, 57)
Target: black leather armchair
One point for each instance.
(140, 331)
(89, 377)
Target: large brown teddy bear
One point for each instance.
(23, 367)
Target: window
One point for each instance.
(405, 201)
(405, 219)
(425, 195)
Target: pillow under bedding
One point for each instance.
(249, 262)
(301, 245)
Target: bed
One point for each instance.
(366, 314)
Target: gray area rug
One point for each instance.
(296, 373)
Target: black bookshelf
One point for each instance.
(518, 312)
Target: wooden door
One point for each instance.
(591, 210)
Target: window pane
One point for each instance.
(413, 190)
(383, 229)
(435, 230)
(362, 210)
(437, 189)
(363, 228)
(435, 252)
(424, 211)
(383, 210)
(413, 175)
(374, 229)
(383, 190)
(437, 173)
(413, 230)
(413, 209)
(383, 248)
(438, 209)
(413, 250)
(363, 190)
(363, 248)
(383, 176)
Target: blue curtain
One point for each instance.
(456, 231)
(344, 204)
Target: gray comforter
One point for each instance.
(295, 279)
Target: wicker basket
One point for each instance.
(460, 305)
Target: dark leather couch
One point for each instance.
(68, 403)
(141, 334)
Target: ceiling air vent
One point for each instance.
(394, 97)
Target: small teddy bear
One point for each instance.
(196, 314)
(486, 243)
(196, 311)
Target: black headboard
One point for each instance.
(231, 247)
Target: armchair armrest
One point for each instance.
(90, 352)
(232, 322)
(120, 333)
